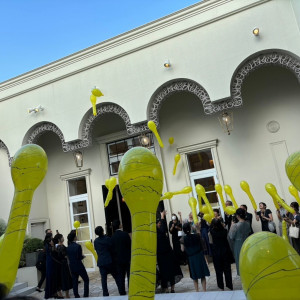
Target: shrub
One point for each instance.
(32, 245)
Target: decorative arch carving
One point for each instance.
(185, 85)
(4, 147)
(104, 109)
(266, 58)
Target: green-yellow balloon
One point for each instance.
(292, 168)
(141, 183)
(28, 169)
(269, 268)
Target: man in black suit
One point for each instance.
(248, 217)
(74, 253)
(103, 247)
(121, 251)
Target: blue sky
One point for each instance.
(36, 32)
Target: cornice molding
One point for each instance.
(120, 40)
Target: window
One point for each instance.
(117, 149)
(203, 168)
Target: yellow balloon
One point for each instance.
(230, 210)
(271, 189)
(208, 218)
(245, 187)
(28, 169)
(152, 127)
(201, 194)
(169, 195)
(93, 101)
(292, 168)
(171, 140)
(269, 268)
(76, 224)
(228, 191)
(204, 209)
(177, 159)
(284, 231)
(193, 205)
(219, 190)
(96, 92)
(185, 190)
(141, 183)
(111, 183)
(107, 183)
(91, 248)
(294, 192)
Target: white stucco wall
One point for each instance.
(205, 43)
(6, 186)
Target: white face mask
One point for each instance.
(174, 218)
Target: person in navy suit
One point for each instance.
(74, 253)
(121, 253)
(103, 247)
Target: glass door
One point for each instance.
(79, 211)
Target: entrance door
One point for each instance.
(79, 209)
(207, 180)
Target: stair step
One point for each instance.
(24, 292)
(18, 286)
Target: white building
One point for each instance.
(217, 65)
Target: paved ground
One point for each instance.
(185, 285)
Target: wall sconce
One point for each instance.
(144, 140)
(36, 109)
(226, 121)
(78, 157)
(167, 64)
(255, 31)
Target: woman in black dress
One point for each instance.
(65, 274)
(174, 227)
(222, 255)
(169, 269)
(193, 249)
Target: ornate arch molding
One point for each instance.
(265, 58)
(4, 147)
(89, 121)
(39, 129)
(184, 85)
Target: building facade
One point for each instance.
(217, 65)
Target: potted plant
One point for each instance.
(31, 245)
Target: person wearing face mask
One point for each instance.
(174, 227)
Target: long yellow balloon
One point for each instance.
(112, 182)
(245, 187)
(141, 187)
(28, 169)
(271, 189)
(193, 205)
(93, 101)
(91, 248)
(229, 210)
(152, 127)
(76, 226)
(294, 192)
(228, 191)
(177, 159)
(201, 193)
(284, 231)
(170, 195)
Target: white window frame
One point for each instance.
(88, 197)
(217, 172)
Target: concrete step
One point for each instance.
(19, 286)
(24, 291)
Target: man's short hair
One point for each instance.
(116, 224)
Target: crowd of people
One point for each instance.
(192, 244)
